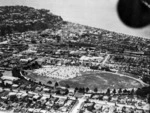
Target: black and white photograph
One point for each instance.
(74, 56)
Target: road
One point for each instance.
(106, 58)
(77, 107)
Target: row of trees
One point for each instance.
(81, 90)
(34, 65)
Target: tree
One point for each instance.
(109, 98)
(1, 74)
(125, 91)
(33, 41)
(95, 89)
(58, 39)
(138, 92)
(35, 65)
(50, 96)
(49, 82)
(114, 91)
(124, 109)
(132, 91)
(87, 89)
(2, 84)
(83, 90)
(80, 90)
(143, 92)
(40, 83)
(108, 91)
(58, 92)
(3, 30)
(75, 90)
(16, 72)
(120, 91)
(66, 91)
(149, 99)
(67, 86)
(56, 84)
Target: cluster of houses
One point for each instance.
(70, 47)
(26, 96)
(93, 106)
(22, 95)
(138, 66)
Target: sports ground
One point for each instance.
(91, 79)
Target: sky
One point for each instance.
(95, 13)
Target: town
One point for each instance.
(48, 65)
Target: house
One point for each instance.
(105, 98)
(8, 82)
(78, 95)
(1, 89)
(114, 99)
(14, 86)
(138, 111)
(11, 78)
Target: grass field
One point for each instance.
(101, 81)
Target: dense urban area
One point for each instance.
(48, 65)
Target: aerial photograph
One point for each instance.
(74, 56)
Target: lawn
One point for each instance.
(102, 81)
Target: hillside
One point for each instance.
(23, 18)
